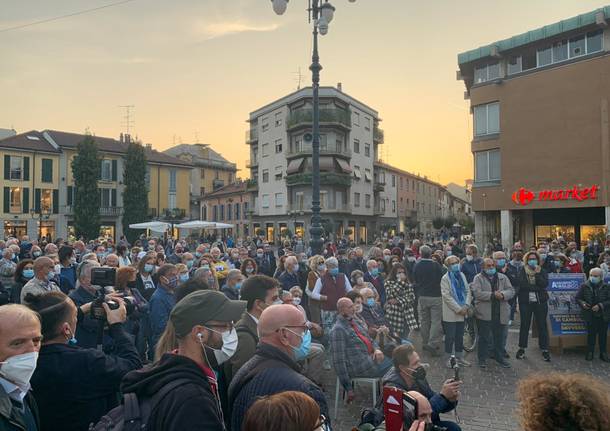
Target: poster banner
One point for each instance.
(564, 311)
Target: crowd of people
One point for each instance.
(232, 335)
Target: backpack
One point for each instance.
(133, 414)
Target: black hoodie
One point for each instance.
(191, 406)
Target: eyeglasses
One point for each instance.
(227, 327)
(303, 327)
(323, 424)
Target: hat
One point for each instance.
(202, 306)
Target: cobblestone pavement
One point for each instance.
(488, 400)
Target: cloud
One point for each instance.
(225, 28)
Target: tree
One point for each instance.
(449, 221)
(467, 225)
(438, 222)
(86, 172)
(135, 196)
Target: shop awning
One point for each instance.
(294, 166)
(196, 224)
(326, 164)
(357, 174)
(344, 166)
(367, 176)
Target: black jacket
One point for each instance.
(11, 418)
(75, 387)
(269, 372)
(539, 287)
(189, 407)
(427, 276)
(588, 294)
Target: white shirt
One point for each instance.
(12, 390)
(315, 294)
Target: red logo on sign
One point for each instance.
(524, 196)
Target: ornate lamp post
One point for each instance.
(322, 14)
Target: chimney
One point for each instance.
(339, 86)
(149, 146)
(121, 138)
(127, 138)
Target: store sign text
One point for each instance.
(524, 196)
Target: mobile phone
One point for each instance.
(456, 368)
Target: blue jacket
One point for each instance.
(160, 305)
(471, 268)
(288, 280)
(67, 279)
(87, 328)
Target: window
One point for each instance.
(245, 208)
(202, 173)
(578, 46)
(356, 118)
(394, 206)
(46, 199)
(529, 59)
(487, 119)
(172, 181)
(279, 199)
(222, 212)
(367, 150)
(514, 64)
(367, 175)
(356, 199)
(265, 175)
(265, 201)
(265, 150)
(594, 41)
(367, 200)
(171, 201)
(15, 198)
(47, 170)
(394, 181)
(16, 169)
(487, 72)
(265, 124)
(278, 146)
(324, 199)
(104, 198)
(278, 119)
(560, 51)
(237, 206)
(229, 211)
(367, 123)
(299, 200)
(545, 56)
(356, 146)
(357, 173)
(279, 172)
(147, 177)
(106, 170)
(487, 165)
(254, 154)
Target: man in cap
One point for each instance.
(183, 379)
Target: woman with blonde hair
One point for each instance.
(290, 410)
(318, 269)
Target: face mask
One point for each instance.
(411, 258)
(594, 279)
(234, 256)
(296, 300)
(334, 271)
(184, 277)
(402, 276)
(533, 263)
(28, 273)
(370, 302)
(387, 257)
(110, 250)
(206, 267)
(296, 268)
(259, 255)
(448, 253)
(18, 369)
(100, 256)
(36, 254)
(321, 268)
(500, 263)
(469, 258)
(198, 254)
(490, 271)
(12, 257)
(543, 256)
(277, 302)
(358, 308)
(375, 272)
(189, 264)
(51, 275)
(172, 282)
(238, 286)
(148, 267)
(72, 260)
(249, 270)
(302, 351)
(455, 267)
(229, 346)
(419, 373)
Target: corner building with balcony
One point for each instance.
(540, 103)
(280, 140)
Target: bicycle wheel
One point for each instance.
(470, 335)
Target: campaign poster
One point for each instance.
(564, 311)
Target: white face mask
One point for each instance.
(296, 301)
(229, 347)
(359, 280)
(18, 369)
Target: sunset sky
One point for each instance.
(196, 68)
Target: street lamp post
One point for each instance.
(322, 14)
(40, 214)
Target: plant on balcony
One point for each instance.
(135, 196)
(86, 172)
(326, 178)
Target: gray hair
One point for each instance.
(370, 263)
(84, 270)
(232, 274)
(332, 261)
(425, 252)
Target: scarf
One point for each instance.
(457, 287)
(531, 273)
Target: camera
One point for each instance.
(103, 277)
(97, 310)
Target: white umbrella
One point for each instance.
(223, 226)
(155, 226)
(195, 224)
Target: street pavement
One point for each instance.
(488, 399)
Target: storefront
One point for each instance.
(15, 228)
(573, 224)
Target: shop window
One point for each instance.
(46, 200)
(487, 119)
(487, 166)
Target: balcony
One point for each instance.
(378, 186)
(103, 211)
(252, 164)
(326, 150)
(378, 135)
(378, 210)
(301, 208)
(328, 116)
(216, 184)
(252, 185)
(326, 178)
(173, 213)
(251, 136)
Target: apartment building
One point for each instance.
(229, 204)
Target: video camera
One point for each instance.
(105, 277)
(400, 411)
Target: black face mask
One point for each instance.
(418, 374)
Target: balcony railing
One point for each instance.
(173, 213)
(332, 150)
(378, 135)
(304, 117)
(103, 211)
(378, 186)
(251, 136)
(251, 163)
(326, 178)
(306, 209)
(252, 184)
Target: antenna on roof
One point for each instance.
(196, 137)
(298, 78)
(128, 122)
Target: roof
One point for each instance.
(566, 25)
(403, 172)
(70, 140)
(195, 150)
(29, 141)
(230, 189)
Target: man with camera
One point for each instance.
(75, 386)
(408, 374)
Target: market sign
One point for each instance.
(525, 196)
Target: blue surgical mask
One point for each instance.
(533, 263)
(36, 254)
(321, 268)
(334, 271)
(543, 256)
(189, 264)
(501, 263)
(455, 267)
(184, 277)
(594, 279)
(302, 351)
(375, 272)
(370, 302)
(238, 286)
(198, 254)
(28, 273)
(296, 268)
(490, 271)
(149, 267)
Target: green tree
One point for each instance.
(438, 222)
(135, 195)
(450, 221)
(86, 172)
